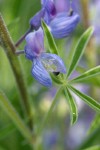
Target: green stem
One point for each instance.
(22, 38)
(85, 11)
(37, 144)
(49, 111)
(13, 115)
(54, 101)
(9, 48)
(90, 55)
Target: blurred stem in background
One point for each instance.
(91, 49)
(9, 48)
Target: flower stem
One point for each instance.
(23, 37)
(18, 52)
(50, 110)
(10, 50)
(38, 141)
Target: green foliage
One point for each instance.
(51, 42)
(88, 74)
(90, 101)
(79, 49)
(73, 106)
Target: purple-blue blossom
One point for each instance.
(61, 24)
(35, 22)
(65, 5)
(43, 63)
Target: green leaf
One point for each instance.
(73, 106)
(95, 123)
(94, 81)
(88, 74)
(13, 115)
(51, 42)
(90, 101)
(79, 50)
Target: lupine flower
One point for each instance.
(35, 22)
(49, 6)
(61, 24)
(42, 62)
(64, 5)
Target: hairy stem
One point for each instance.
(10, 50)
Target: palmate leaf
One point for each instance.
(51, 42)
(13, 115)
(79, 50)
(94, 81)
(88, 74)
(73, 106)
(90, 101)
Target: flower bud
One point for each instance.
(35, 21)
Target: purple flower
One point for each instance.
(61, 24)
(49, 6)
(42, 62)
(35, 21)
(64, 5)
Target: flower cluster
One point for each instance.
(60, 25)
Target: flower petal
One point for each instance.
(35, 44)
(35, 21)
(52, 63)
(63, 5)
(40, 73)
(49, 6)
(62, 25)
